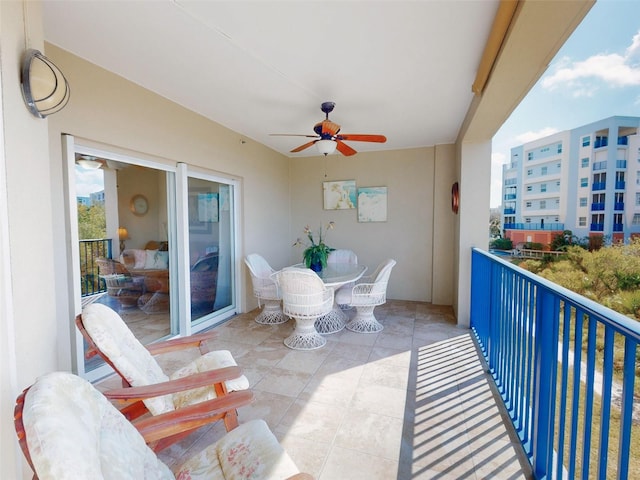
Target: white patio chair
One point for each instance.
(68, 430)
(343, 256)
(265, 290)
(305, 298)
(366, 295)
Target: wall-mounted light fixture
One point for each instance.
(44, 88)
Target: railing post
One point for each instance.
(545, 371)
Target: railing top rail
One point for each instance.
(607, 316)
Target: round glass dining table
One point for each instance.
(335, 275)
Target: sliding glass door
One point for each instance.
(155, 243)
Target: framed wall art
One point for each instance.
(339, 195)
(372, 204)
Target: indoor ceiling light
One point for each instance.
(326, 146)
(44, 88)
(89, 162)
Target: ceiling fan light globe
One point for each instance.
(326, 147)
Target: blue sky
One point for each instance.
(595, 75)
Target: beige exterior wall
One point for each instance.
(415, 210)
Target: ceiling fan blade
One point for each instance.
(302, 147)
(345, 149)
(359, 137)
(292, 135)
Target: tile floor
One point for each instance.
(410, 402)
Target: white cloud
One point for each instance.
(88, 181)
(530, 136)
(614, 69)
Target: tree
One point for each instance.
(495, 230)
(92, 222)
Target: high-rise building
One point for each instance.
(586, 180)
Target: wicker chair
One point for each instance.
(120, 284)
(265, 290)
(87, 438)
(305, 298)
(343, 256)
(365, 295)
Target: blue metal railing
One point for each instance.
(534, 226)
(90, 282)
(546, 347)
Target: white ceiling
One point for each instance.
(401, 69)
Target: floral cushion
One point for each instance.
(250, 451)
(74, 432)
(209, 361)
(133, 361)
(137, 365)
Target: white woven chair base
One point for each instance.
(364, 321)
(305, 336)
(271, 313)
(332, 322)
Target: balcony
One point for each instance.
(90, 283)
(510, 196)
(599, 186)
(551, 353)
(621, 164)
(620, 185)
(595, 207)
(597, 227)
(534, 226)
(618, 206)
(618, 227)
(509, 211)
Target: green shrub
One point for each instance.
(502, 244)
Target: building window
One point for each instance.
(528, 204)
(557, 219)
(584, 162)
(543, 171)
(583, 201)
(637, 198)
(582, 221)
(586, 141)
(529, 188)
(557, 202)
(636, 219)
(558, 183)
(584, 182)
(543, 187)
(598, 198)
(543, 204)
(530, 172)
(559, 148)
(527, 220)
(529, 155)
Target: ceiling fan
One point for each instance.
(328, 137)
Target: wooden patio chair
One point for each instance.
(68, 430)
(213, 374)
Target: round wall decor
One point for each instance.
(139, 205)
(455, 198)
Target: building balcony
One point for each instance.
(597, 227)
(618, 206)
(596, 207)
(509, 211)
(551, 353)
(534, 226)
(620, 185)
(599, 186)
(618, 227)
(621, 164)
(510, 196)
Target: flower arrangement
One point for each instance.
(316, 254)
